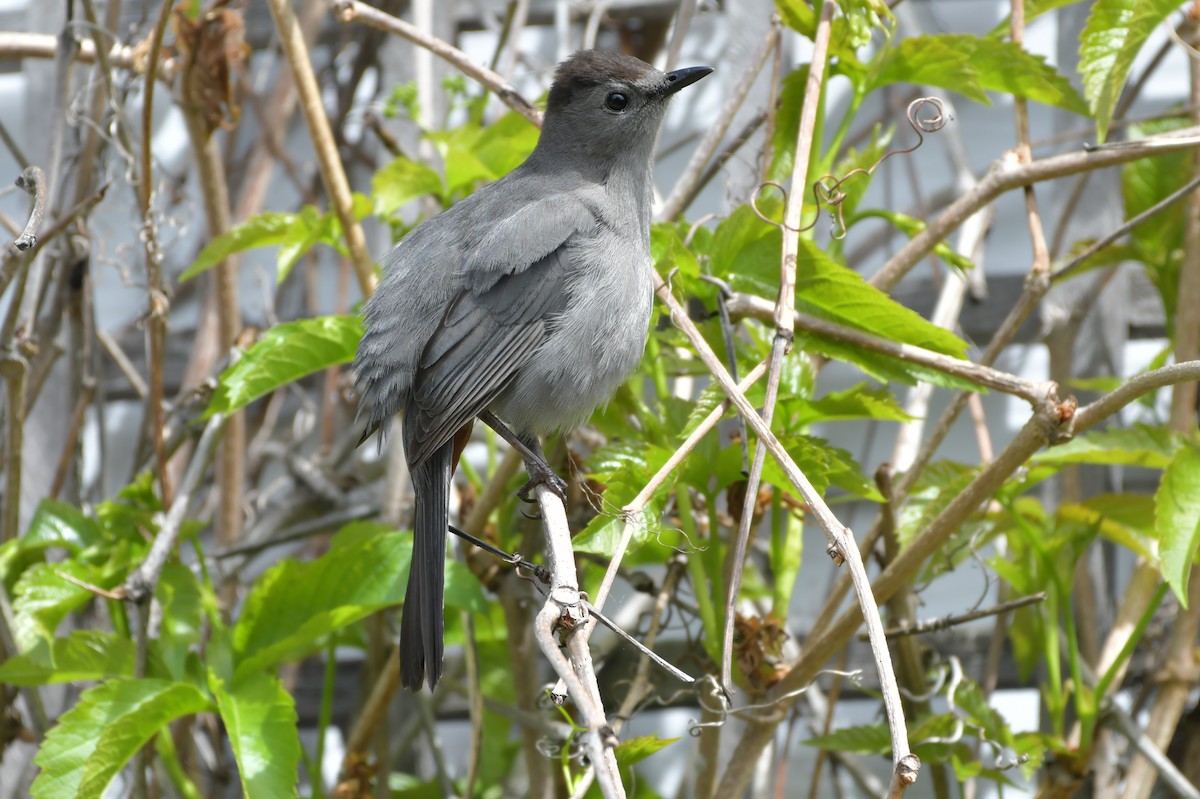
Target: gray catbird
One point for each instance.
(526, 304)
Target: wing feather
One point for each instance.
(484, 339)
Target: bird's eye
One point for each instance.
(616, 101)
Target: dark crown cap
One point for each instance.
(589, 67)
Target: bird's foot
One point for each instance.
(540, 474)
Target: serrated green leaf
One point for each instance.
(1177, 518)
(1158, 241)
(931, 61)
(400, 181)
(1126, 519)
(43, 597)
(1140, 445)
(857, 402)
(911, 226)
(1111, 39)
(746, 252)
(825, 464)
(828, 290)
(505, 143)
(285, 353)
(1033, 9)
(179, 593)
(294, 605)
(935, 489)
(57, 524)
(83, 655)
(970, 65)
(260, 718)
(96, 738)
(635, 750)
(869, 739)
(262, 230)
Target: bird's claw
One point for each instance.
(540, 476)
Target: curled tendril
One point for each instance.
(925, 115)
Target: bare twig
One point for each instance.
(742, 305)
(1119, 720)
(328, 160)
(784, 316)
(45, 45)
(156, 322)
(32, 180)
(1047, 422)
(563, 607)
(686, 187)
(946, 622)
(354, 11)
(14, 369)
(140, 584)
(1006, 174)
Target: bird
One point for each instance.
(526, 305)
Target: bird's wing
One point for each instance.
(485, 337)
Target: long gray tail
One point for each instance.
(421, 621)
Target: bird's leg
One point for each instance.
(536, 464)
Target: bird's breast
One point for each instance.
(593, 345)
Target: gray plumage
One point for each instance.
(531, 298)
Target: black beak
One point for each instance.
(681, 78)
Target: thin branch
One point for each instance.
(14, 369)
(748, 305)
(354, 11)
(156, 321)
(140, 584)
(1080, 260)
(687, 186)
(946, 622)
(784, 316)
(33, 181)
(17, 46)
(1178, 784)
(564, 607)
(328, 160)
(1049, 421)
(1006, 174)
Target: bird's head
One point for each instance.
(609, 105)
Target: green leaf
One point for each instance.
(182, 600)
(504, 144)
(1033, 9)
(57, 524)
(970, 65)
(1140, 445)
(1177, 518)
(1111, 39)
(285, 353)
(928, 60)
(746, 252)
(1126, 519)
(828, 290)
(823, 464)
(636, 750)
(868, 739)
(1158, 241)
(911, 226)
(83, 655)
(96, 738)
(401, 181)
(294, 605)
(260, 718)
(262, 230)
(857, 402)
(43, 597)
